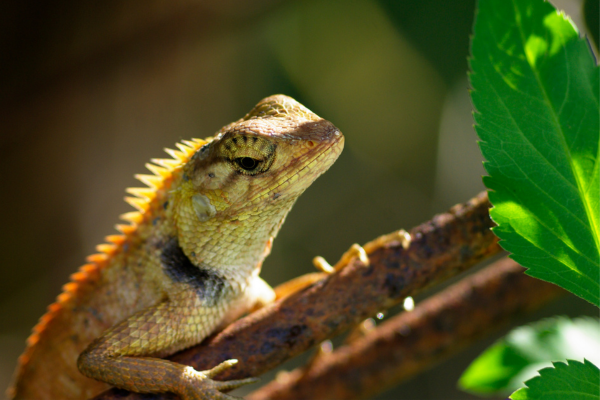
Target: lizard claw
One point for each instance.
(355, 250)
(321, 264)
(362, 252)
(198, 385)
(401, 236)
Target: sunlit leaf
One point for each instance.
(535, 90)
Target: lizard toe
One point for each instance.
(198, 385)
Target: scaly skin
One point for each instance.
(187, 264)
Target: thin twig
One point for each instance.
(410, 342)
(441, 248)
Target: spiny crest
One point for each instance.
(162, 170)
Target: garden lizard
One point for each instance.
(185, 265)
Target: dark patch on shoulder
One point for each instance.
(209, 286)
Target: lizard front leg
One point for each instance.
(125, 355)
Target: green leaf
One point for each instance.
(572, 381)
(535, 89)
(503, 367)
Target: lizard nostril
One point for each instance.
(310, 143)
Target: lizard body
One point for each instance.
(187, 263)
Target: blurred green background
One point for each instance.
(90, 91)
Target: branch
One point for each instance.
(441, 248)
(411, 342)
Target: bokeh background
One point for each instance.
(90, 91)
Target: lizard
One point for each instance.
(185, 265)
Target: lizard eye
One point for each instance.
(247, 163)
(248, 155)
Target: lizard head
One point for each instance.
(254, 169)
(268, 157)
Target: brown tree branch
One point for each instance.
(441, 248)
(410, 342)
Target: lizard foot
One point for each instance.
(355, 250)
(362, 252)
(198, 385)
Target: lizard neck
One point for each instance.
(235, 245)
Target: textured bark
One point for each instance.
(411, 342)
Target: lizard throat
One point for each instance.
(232, 246)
